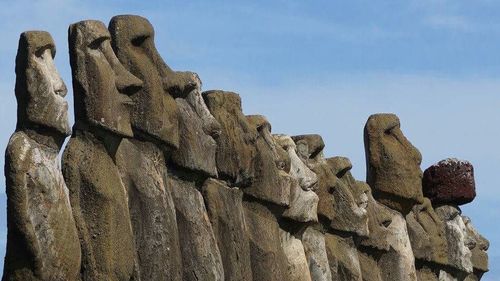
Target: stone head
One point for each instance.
(427, 234)
(392, 163)
(303, 200)
(380, 220)
(481, 245)
(102, 86)
(155, 113)
(271, 166)
(460, 242)
(236, 142)
(351, 199)
(310, 150)
(309, 147)
(40, 91)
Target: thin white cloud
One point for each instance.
(451, 22)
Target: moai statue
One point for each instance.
(225, 211)
(197, 127)
(171, 238)
(392, 164)
(351, 215)
(272, 182)
(479, 251)
(236, 143)
(158, 118)
(310, 151)
(140, 160)
(350, 220)
(428, 240)
(450, 183)
(459, 241)
(303, 200)
(385, 254)
(101, 87)
(269, 191)
(300, 213)
(42, 241)
(200, 253)
(235, 166)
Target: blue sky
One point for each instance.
(320, 67)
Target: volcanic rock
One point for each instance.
(450, 181)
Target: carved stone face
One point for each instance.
(459, 241)
(388, 233)
(303, 201)
(155, 112)
(271, 165)
(427, 234)
(307, 178)
(351, 203)
(101, 84)
(236, 143)
(379, 221)
(40, 91)
(393, 163)
(481, 245)
(310, 150)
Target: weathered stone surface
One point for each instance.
(425, 273)
(349, 216)
(297, 268)
(235, 145)
(392, 163)
(481, 245)
(303, 200)
(427, 234)
(99, 201)
(42, 241)
(39, 89)
(101, 84)
(459, 241)
(197, 149)
(97, 194)
(450, 181)
(447, 276)
(155, 114)
(388, 238)
(311, 146)
(152, 211)
(303, 204)
(379, 222)
(140, 160)
(298, 169)
(200, 253)
(327, 182)
(313, 241)
(266, 253)
(370, 269)
(272, 182)
(342, 257)
(398, 263)
(225, 210)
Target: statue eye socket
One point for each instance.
(96, 44)
(40, 51)
(386, 223)
(138, 41)
(388, 131)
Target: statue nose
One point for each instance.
(128, 84)
(60, 88)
